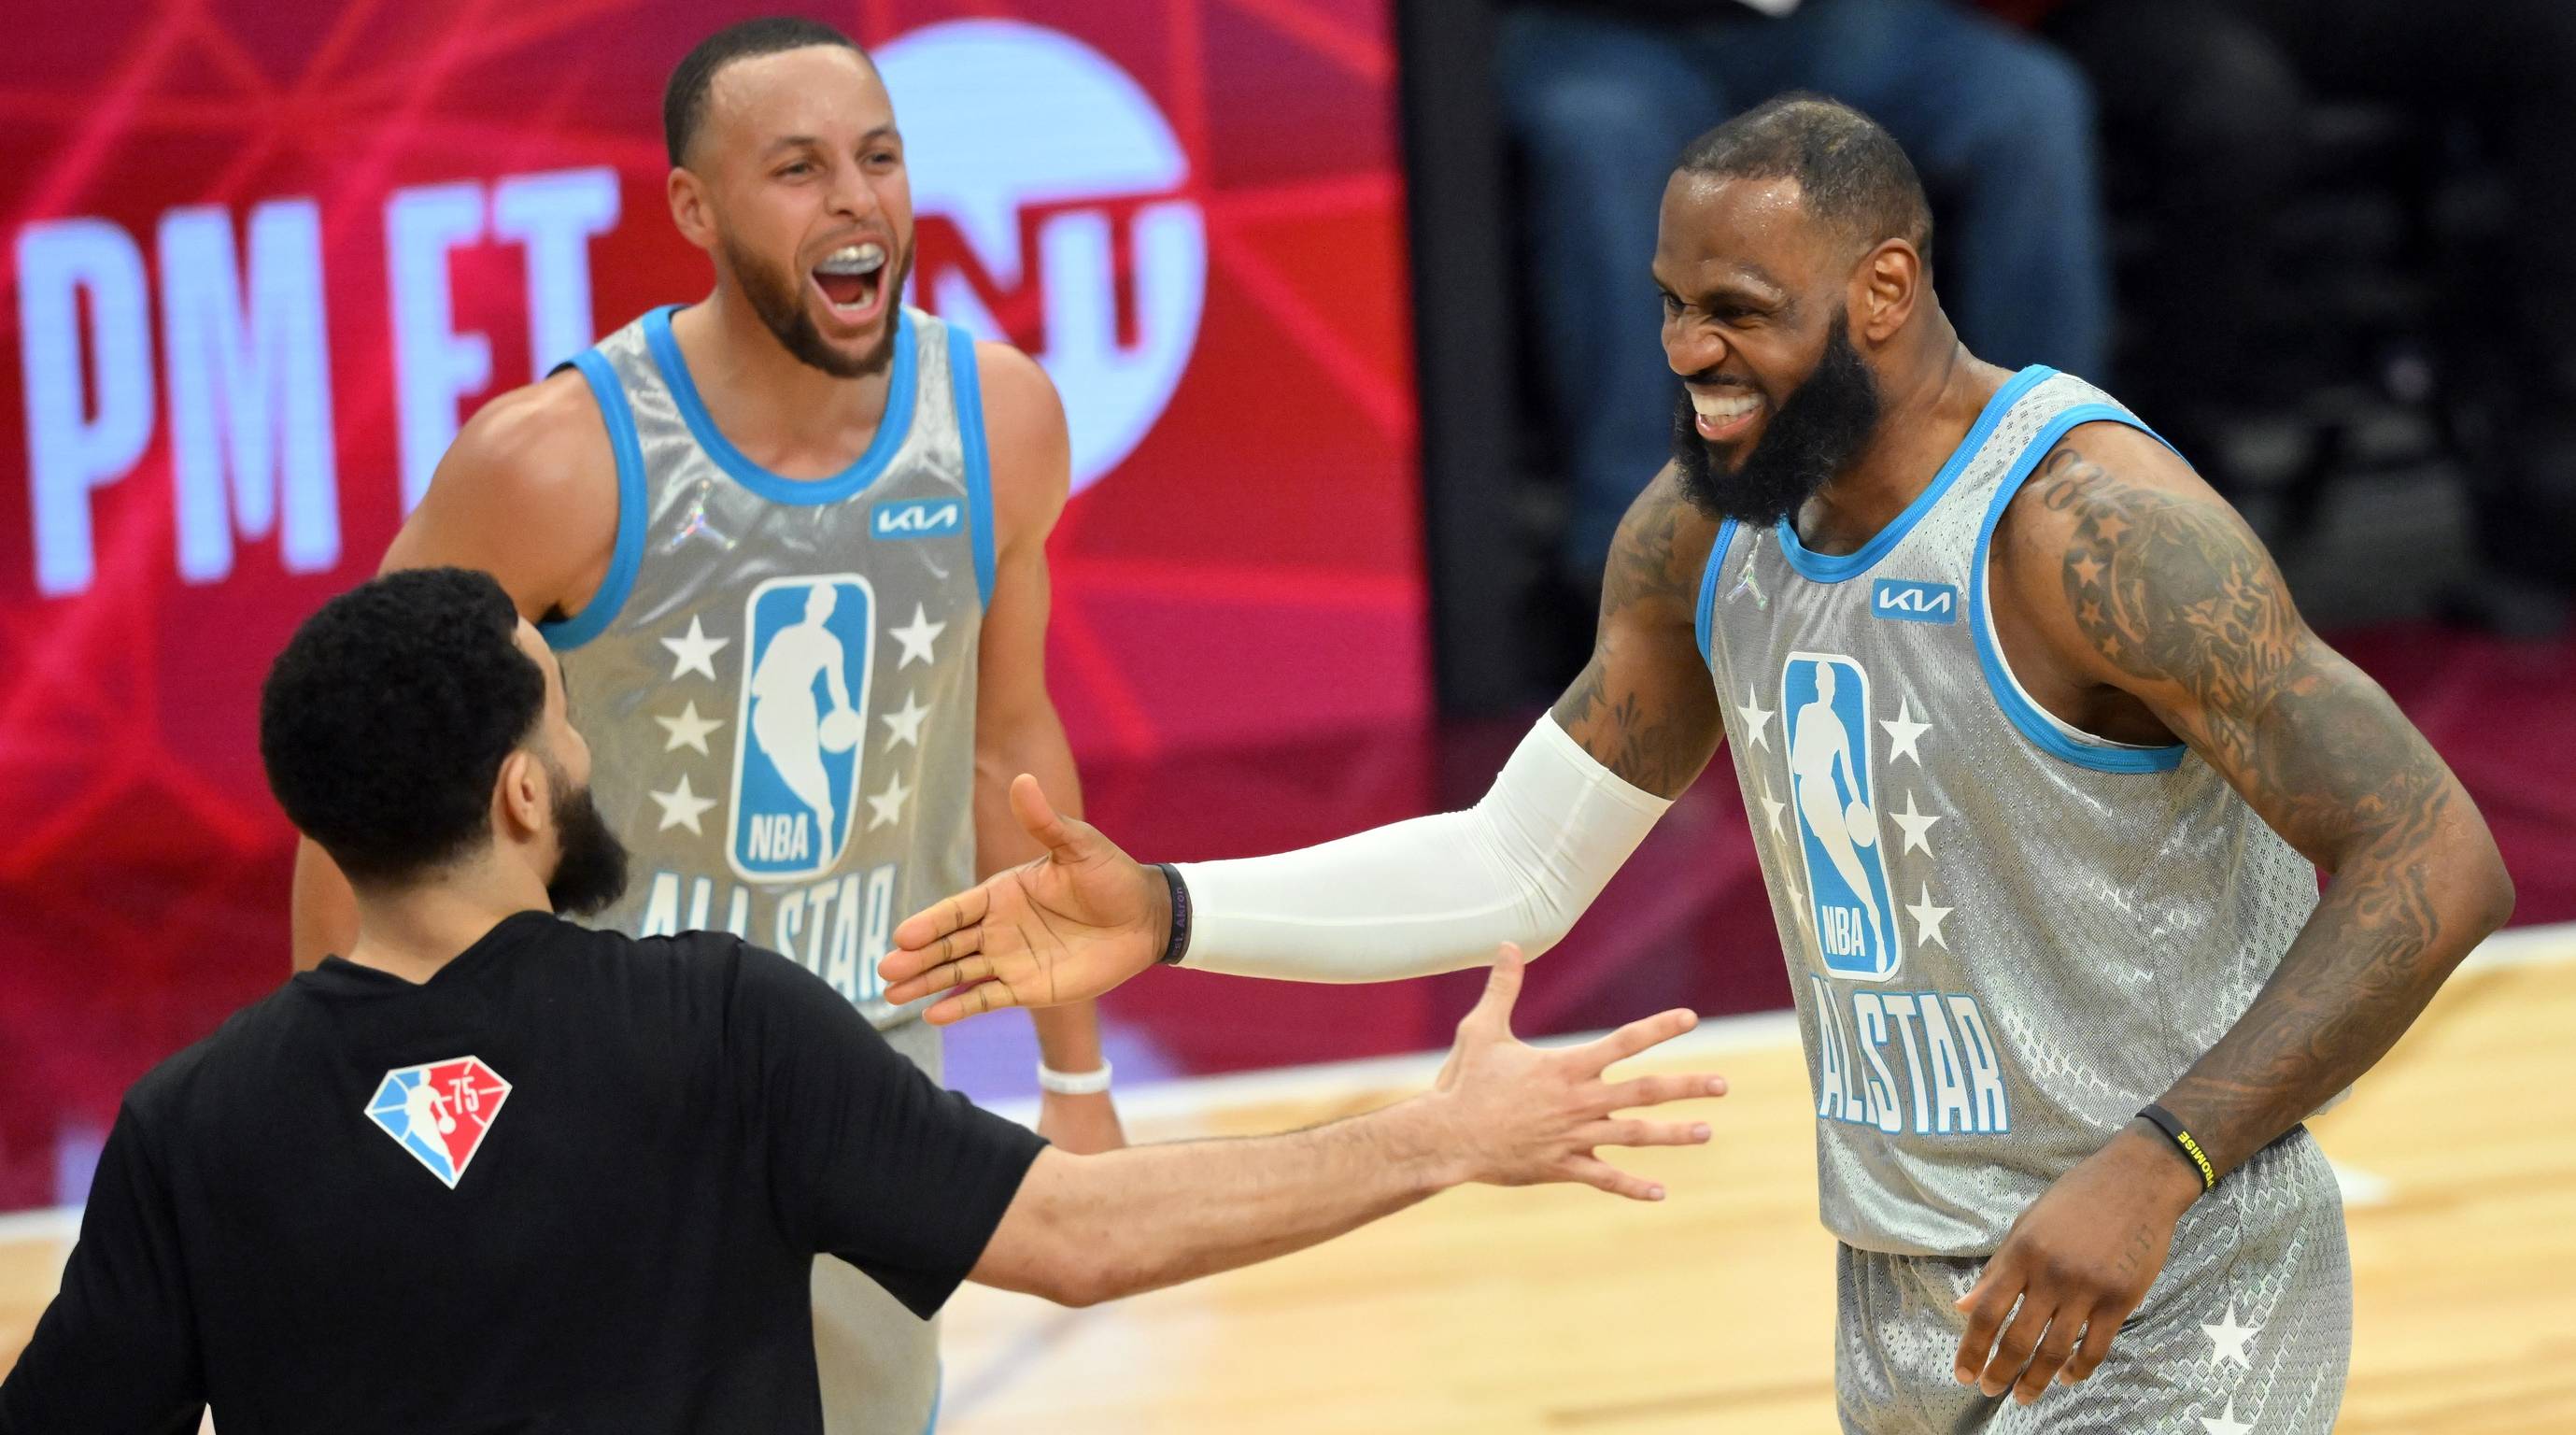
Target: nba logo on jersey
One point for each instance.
(1824, 699)
(798, 732)
(439, 1112)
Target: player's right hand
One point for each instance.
(1063, 928)
(1519, 1115)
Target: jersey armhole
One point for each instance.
(1703, 621)
(2045, 730)
(628, 552)
(966, 382)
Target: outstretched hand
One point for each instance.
(1062, 928)
(1524, 1115)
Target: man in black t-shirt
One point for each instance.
(491, 1171)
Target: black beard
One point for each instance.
(1811, 439)
(779, 299)
(590, 868)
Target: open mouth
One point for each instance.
(1724, 415)
(851, 280)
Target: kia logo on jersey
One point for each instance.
(1912, 602)
(440, 1112)
(917, 518)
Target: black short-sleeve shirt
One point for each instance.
(572, 1183)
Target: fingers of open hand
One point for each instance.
(974, 1001)
(1038, 817)
(1656, 1090)
(1636, 1037)
(1630, 1131)
(947, 915)
(1490, 1019)
(944, 963)
(1593, 1171)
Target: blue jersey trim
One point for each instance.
(2034, 724)
(628, 552)
(1704, 622)
(1836, 568)
(967, 382)
(881, 450)
(938, 1395)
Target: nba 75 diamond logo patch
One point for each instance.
(440, 1111)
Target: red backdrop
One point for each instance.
(234, 226)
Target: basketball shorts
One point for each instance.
(2247, 1330)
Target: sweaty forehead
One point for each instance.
(1728, 227)
(827, 92)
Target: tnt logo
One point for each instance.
(440, 1112)
(1914, 602)
(917, 518)
(797, 748)
(1824, 700)
(1052, 207)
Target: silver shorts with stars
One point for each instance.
(2247, 1331)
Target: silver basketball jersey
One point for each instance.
(777, 678)
(2004, 936)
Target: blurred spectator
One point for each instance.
(2207, 98)
(1600, 97)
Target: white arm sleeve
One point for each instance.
(1433, 894)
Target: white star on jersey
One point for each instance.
(688, 729)
(1903, 732)
(1928, 919)
(682, 808)
(886, 808)
(1798, 906)
(2227, 1339)
(2226, 1424)
(1756, 718)
(905, 725)
(1916, 825)
(916, 638)
(1771, 807)
(696, 652)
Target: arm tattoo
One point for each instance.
(1643, 707)
(2176, 593)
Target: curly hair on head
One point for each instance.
(1851, 173)
(684, 99)
(384, 723)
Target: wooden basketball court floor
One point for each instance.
(1560, 1309)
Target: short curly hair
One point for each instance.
(385, 722)
(684, 99)
(1851, 173)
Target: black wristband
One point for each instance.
(2171, 1125)
(1177, 945)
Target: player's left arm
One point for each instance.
(2139, 577)
(2173, 600)
(1016, 726)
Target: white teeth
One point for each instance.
(1723, 410)
(854, 259)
